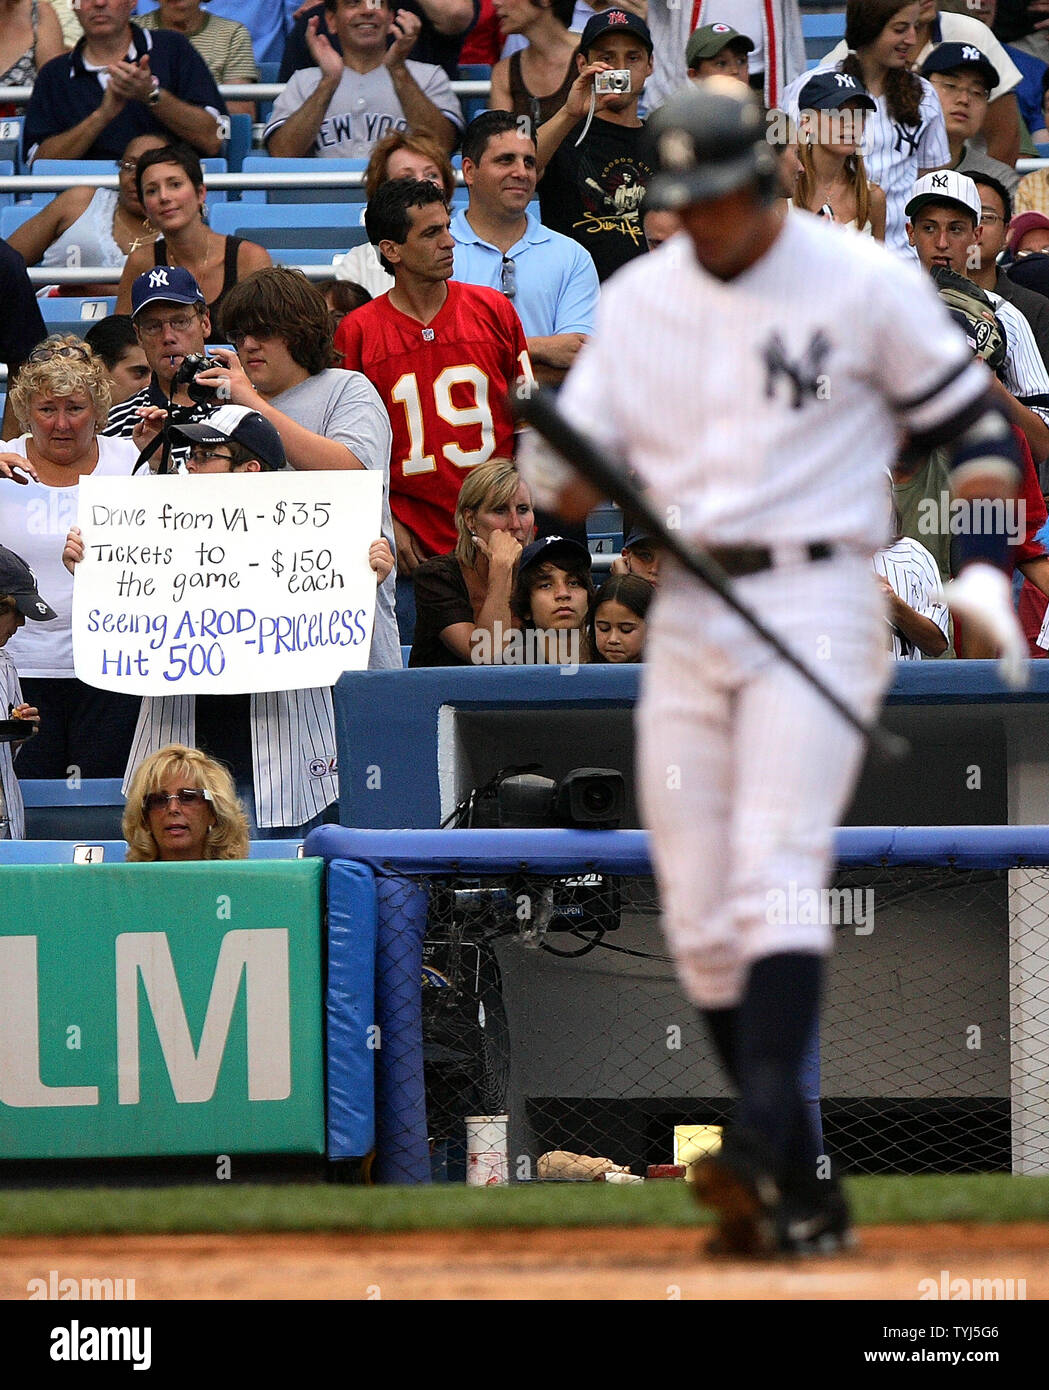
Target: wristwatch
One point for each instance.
(154, 95)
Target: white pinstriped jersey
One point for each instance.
(1024, 371)
(893, 153)
(958, 28)
(11, 805)
(762, 412)
(912, 572)
(292, 748)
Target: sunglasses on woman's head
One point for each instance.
(45, 354)
(185, 796)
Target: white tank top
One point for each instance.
(89, 240)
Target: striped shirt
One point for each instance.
(1024, 372)
(1033, 193)
(224, 45)
(912, 573)
(122, 419)
(893, 153)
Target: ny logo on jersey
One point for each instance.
(806, 375)
(907, 135)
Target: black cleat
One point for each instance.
(737, 1182)
(816, 1223)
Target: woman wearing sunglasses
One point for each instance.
(61, 399)
(181, 805)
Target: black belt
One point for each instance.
(740, 560)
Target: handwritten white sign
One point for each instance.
(225, 583)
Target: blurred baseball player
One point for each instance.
(784, 357)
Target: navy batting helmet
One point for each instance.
(710, 140)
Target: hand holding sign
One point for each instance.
(225, 584)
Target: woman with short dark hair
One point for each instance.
(171, 187)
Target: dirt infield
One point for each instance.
(563, 1264)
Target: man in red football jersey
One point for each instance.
(445, 358)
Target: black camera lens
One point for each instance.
(598, 798)
(188, 368)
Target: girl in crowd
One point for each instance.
(617, 619)
(833, 181)
(182, 805)
(170, 184)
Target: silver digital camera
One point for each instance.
(613, 83)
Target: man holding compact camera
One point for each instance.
(592, 155)
(171, 319)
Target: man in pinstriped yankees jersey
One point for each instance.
(755, 372)
(944, 214)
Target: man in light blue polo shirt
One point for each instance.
(550, 278)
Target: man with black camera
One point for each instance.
(592, 155)
(171, 321)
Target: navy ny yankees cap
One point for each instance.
(948, 57)
(168, 283)
(18, 582)
(827, 91)
(615, 20)
(553, 548)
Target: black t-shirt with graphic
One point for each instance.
(592, 191)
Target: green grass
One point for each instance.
(320, 1207)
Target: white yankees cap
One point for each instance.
(945, 186)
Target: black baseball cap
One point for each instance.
(948, 57)
(827, 91)
(613, 19)
(636, 535)
(554, 548)
(18, 582)
(236, 424)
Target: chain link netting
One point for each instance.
(555, 1002)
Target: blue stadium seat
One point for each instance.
(62, 167)
(228, 217)
(12, 218)
(11, 140)
(822, 32)
(265, 164)
(319, 238)
(7, 166)
(268, 72)
(474, 72)
(304, 255)
(56, 811)
(88, 310)
(238, 146)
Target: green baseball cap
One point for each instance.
(709, 39)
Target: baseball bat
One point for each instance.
(538, 410)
